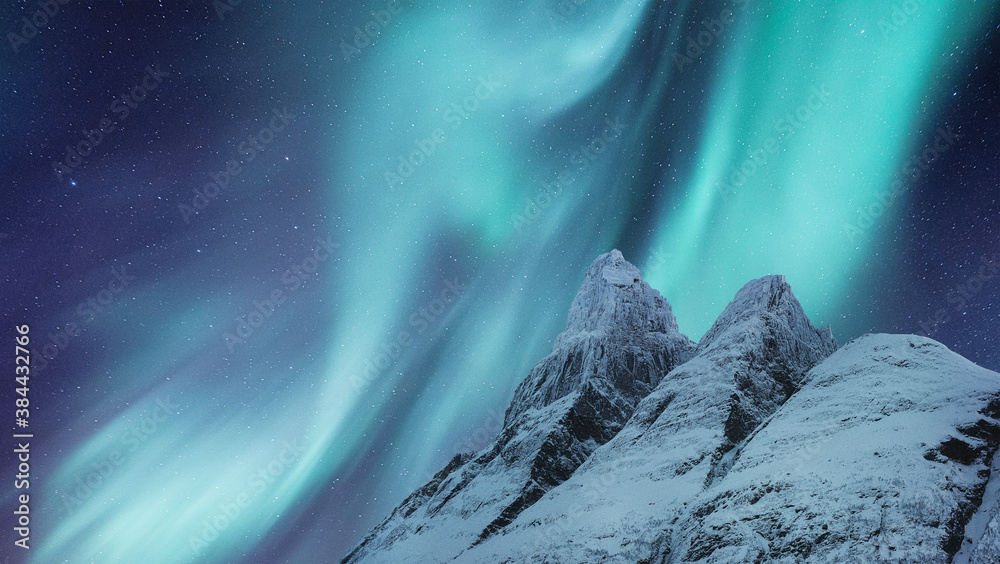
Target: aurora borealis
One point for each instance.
(309, 255)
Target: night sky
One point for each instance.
(281, 261)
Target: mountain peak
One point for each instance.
(769, 295)
(765, 313)
(612, 268)
(614, 300)
(765, 292)
(619, 330)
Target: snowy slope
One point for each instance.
(882, 457)
(620, 340)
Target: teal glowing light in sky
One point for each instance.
(473, 160)
(810, 118)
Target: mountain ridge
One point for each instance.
(630, 443)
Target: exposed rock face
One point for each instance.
(763, 443)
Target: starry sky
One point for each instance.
(282, 261)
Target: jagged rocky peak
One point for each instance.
(621, 338)
(614, 300)
(766, 309)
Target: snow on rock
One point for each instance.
(620, 340)
(620, 334)
(987, 550)
(614, 299)
(882, 457)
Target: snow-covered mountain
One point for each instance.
(620, 341)
(763, 443)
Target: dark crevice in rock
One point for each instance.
(986, 434)
(592, 421)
